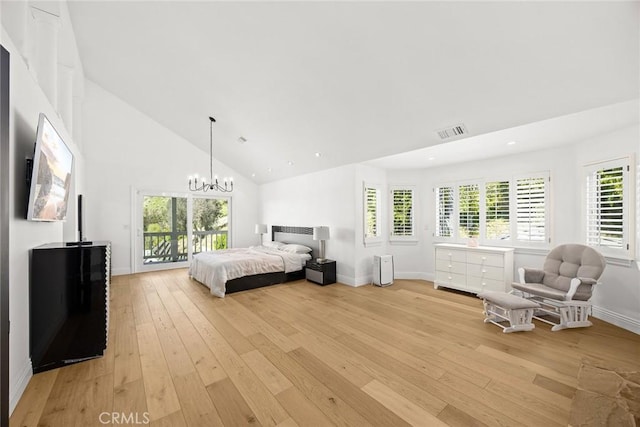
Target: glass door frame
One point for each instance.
(138, 230)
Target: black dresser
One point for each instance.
(69, 303)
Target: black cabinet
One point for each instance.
(69, 303)
(322, 273)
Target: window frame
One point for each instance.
(482, 238)
(412, 237)
(484, 210)
(547, 240)
(456, 201)
(628, 250)
(378, 237)
(453, 226)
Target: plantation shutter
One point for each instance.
(371, 214)
(444, 211)
(468, 210)
(606, 208)
(531, 209)
(402, 200)
(497, 210)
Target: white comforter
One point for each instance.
(215, 268)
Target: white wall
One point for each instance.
(320, 198)
(618, 299)
(27, 102)
(126, 150)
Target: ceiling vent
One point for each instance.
(454, 131)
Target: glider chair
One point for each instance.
(564, 285)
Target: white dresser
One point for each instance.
(483, 268)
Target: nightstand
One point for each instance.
(322, 273)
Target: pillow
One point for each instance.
(296, 249)
(274, 245)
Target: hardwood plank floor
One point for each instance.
(306, 355)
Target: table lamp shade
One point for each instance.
(261, 228)
(321, 233)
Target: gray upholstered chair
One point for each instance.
(564, 284)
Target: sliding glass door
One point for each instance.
(210, 222)
(165, 236)
(172, 228)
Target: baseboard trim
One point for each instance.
(17, 389)
(350, 281)
(625, 322)
(120, 271)
(414, 275)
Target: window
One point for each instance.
(402, 215)
(608, 207)
(372, 232)
(444, 211)
(210, 224)
(177, 226)
(468, 211)
(531, 209)
(164, 222)
(511, 211)
(498, 226)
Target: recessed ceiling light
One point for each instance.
(290, 163)
(253, 175)
(511, 143)
(431, 158)
(242, 140)
(318, 154)
(269, 170)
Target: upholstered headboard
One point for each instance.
(293, 234)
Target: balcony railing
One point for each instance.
(169, 246)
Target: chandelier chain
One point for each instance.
(226, 186)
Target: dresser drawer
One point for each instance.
(451, 279)
(479, 284)
(486, 271)
(451, 266)
(451, 254)
(496, 260)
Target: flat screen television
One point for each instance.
(50, 176)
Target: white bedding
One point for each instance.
(214, 269)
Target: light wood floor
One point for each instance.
(302, 354)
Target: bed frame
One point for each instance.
(286, 234)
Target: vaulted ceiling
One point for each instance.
(354, 81)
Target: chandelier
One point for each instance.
(201, 184)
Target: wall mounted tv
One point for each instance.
(50, 175)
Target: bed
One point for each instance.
(238, 269)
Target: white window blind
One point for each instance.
(468, 210)
(609, 207)
(444, 211)
(531, 206)
(605, 208)
(403, 220)
(371, 226)
(498, 226)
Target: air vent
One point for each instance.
(452, 132)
